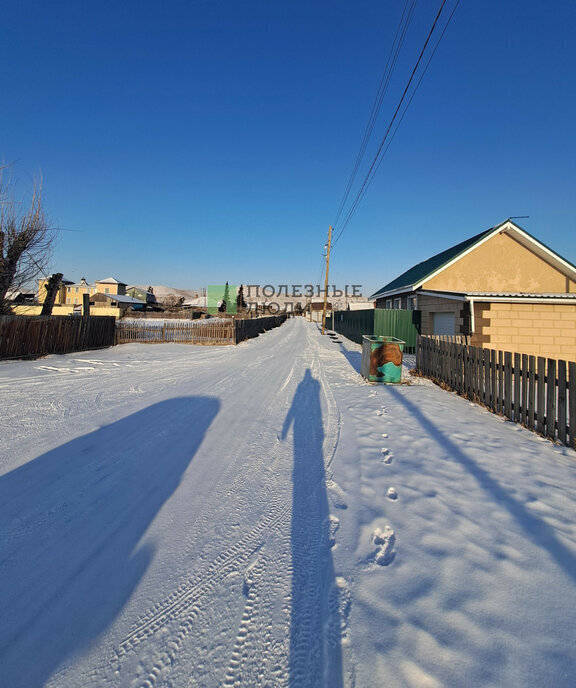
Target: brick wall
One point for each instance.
(538, 329)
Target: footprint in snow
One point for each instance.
(331, 525)
(384, 541)
(387, 455)
(336, 494)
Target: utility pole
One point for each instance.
(328, 244)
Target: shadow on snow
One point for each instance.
(315, 639)
(70, 524)
(537, 530)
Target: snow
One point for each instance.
(177, 515)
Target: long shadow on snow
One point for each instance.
(70, 523)
(537, 530)
(315, 641)
(354, 358)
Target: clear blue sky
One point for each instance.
(197, 141)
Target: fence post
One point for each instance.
(524, 400)
(540, 394)
(516, 388)
(551, 399)
(572, 403)
(562, 402)
(508, 384)
(531, 392)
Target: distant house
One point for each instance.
(120, 301)
(107, 297)
(111, 285)
(146, 298)
(315, 308)
(61, 294)
(73, 293)
(17, 296)
(360, 305)
(502, 287)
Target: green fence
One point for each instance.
(403, 325)
(352, 324)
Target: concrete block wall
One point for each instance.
(538, 329)
(428, 305)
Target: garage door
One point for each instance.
(443, 323)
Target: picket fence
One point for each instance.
(221, 331)
(181, 332)
(538, 392)
(32, 336)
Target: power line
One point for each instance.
(382, 89)
(387, 139)
(391, 138)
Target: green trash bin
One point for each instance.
(381, 358)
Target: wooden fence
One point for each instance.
(227, 331)
(31, 336)
(246, 329)
(539, 393)
(180, 332)
(163, 315)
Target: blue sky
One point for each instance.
(199, 141)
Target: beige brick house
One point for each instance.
(503, 288)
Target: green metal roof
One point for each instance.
(422, 270)
(408, 280)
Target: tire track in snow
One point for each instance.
(180, 612)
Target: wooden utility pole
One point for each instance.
(326, 281)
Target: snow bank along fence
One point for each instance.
(539, 393)
(220, 331)
(29, 336)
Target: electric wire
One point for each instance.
(413, 92)
(393, 55)
(393, 125)
(371, 170)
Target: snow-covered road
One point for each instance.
(257, 515)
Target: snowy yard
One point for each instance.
(258, 515)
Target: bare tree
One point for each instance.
(26, 240)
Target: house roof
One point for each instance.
(119, 298)
(490, 296)
(111, 280)
(413, 278)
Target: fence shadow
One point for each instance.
(354, 358)
(70, 524)
(315, 639)
(537, 530)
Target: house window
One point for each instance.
(411, 303)
(397, 303)
(388, 304)
(106, 290)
